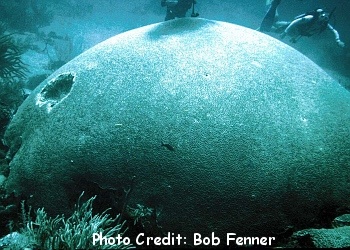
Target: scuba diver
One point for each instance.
(178, 8)
(307, 24)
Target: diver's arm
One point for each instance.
(336, 35)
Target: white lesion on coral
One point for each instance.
(57, 94)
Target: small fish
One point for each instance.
(168, 146)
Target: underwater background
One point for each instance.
(37, 37)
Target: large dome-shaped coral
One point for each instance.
(223, 129)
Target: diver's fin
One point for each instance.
(269, 17)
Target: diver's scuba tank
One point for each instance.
(169, 3)
(194, 14)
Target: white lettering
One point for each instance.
(96, 237)
(99, 239)
(213, 240)
(252, 241)
(197, 239)
(137, 239)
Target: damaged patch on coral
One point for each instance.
(55, 91)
